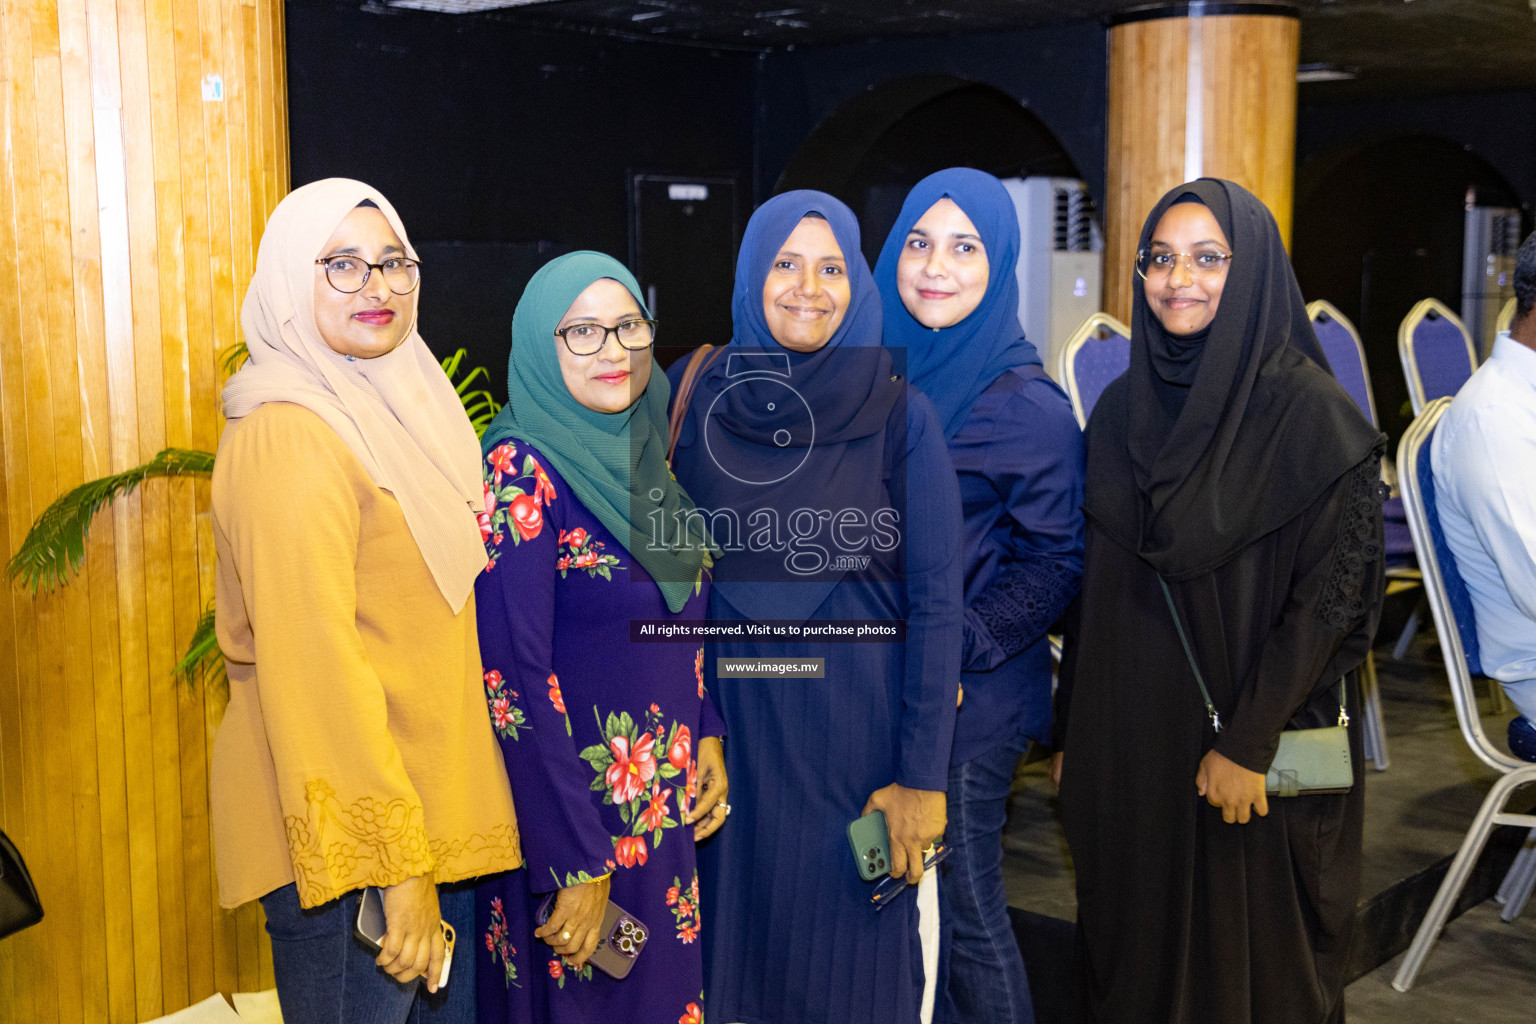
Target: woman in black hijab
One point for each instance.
(1229, 463)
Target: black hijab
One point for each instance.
(1208, 443)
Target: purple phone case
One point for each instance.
(624, 936)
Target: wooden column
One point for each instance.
(1198, 90)
(142, 145)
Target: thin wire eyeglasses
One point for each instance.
(588, 339)
(1205, 263)
(349, 274)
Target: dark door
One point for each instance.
(682, 238)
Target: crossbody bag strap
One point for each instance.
(697, 364)
(1210, 708)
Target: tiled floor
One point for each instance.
(1481, 970)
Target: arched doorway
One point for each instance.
(1379, 226)
(880, 143)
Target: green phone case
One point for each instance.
(871, 845)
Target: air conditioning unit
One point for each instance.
(1487, 269)
(1061, 258)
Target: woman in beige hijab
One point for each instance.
(356, 750)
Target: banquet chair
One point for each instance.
(1506, 317)
(1346, 358)
(1346, 355)
(1097, 353)
(1436, 351)
(1451, 605)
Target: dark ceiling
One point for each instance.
(1396, 47)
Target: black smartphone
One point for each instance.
(623, 937)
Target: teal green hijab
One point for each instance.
(615, 462)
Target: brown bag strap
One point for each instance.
(697, 364)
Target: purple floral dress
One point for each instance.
(598, 735)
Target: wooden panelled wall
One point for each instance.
(1189, 97)
(142, 145)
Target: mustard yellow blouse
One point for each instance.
(356, 749)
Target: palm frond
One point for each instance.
(479, 405)
(203, 652)
(54, 547)
(234, 357)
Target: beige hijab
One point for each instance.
(398, 413)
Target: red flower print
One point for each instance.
(500, 459)
(693, 889)
(672, 894)
(543, 489)
(698, 670)
(682, 746)
(692, 788)
(630, 850)
(656, 813)
(526, 514)
(493, 680)
(632, 768)
(501, 712)
(488, 509)
(585, 559)
(688, 932)
(490, 942)
(489, 565)
(555, 970)
(577, 538)
(692, 1015)
(655, 708)
(611, 864)
(563, 562)
(661, 731)
(554, 694)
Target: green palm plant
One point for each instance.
(54, 548)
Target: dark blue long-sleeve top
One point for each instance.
(1019, 459)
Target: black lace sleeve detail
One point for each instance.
(1360, 543)
(1020, 605)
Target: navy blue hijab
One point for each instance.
(786, 431)
(954, 365)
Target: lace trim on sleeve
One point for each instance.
(1360, 543)
(1021, 604)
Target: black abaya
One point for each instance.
(1185, 919)
(1233, 465)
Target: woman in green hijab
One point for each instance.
(612, 745)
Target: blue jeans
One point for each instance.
(979, 960)
(326, 976)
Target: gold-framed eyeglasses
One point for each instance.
(1159, 263)
(350, 273)
(588, 339)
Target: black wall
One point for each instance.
(502, 147)
(1057, 72)
(1380, 192)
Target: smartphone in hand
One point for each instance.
(871, 843)
(371, 927)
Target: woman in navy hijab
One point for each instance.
(948, 284)
(826, 485)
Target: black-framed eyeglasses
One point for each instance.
(587, 339)
(1160, 263)
(350, 273)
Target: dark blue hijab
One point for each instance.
(785, 431)
(954, 365)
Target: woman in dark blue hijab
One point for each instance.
(947, 278)
(826, 486)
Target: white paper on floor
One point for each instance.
(258, 1007)
(213, 1010)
